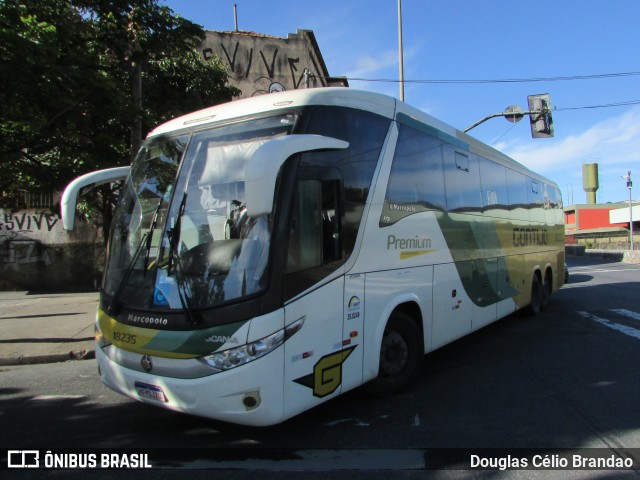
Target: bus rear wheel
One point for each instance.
(535, 307)
(547, 289)
(401, 354)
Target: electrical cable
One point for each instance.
(501, 80)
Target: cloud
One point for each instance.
(615, 141)
(366, 65)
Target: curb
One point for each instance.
(50, 358)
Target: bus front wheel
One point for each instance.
(401, 354)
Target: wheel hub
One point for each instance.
(395, 353)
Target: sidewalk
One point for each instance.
(46, 328)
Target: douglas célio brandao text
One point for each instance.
(551, 461)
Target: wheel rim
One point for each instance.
(394, 353)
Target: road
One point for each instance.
(564, 379)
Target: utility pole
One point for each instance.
(235, 16)
(400, 54)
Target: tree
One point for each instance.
(80, 80)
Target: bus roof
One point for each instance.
(347, 97)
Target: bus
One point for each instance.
(268, 254)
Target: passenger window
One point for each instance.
(366, 133)
(517, 190)
(416, 181)
(536, 201)
(462, 162)
(493, 179)
(462, 180)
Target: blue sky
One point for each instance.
(484, 40)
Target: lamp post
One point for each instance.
(629, 185)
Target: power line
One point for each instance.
(501, 80)
(524, 80)
(606, 105)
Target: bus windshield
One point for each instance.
(183, 241)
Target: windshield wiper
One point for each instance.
(174, 260)
(174, 232)
(146, 242)
(149, 239)
(127, 274)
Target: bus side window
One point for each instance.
(315, 243)
(331, 234)
(535, 198)
(314, 237)
(416, 180)
(306, 225)
(517, 190)
(493, 179)
(462, 181)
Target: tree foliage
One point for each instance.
(69, 73)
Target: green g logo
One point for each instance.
(327, 373)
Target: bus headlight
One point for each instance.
(99, 337)
(234, 357)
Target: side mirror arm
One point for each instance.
(70, 196)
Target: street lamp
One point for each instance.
(629, 185)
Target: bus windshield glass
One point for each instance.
(183, 240)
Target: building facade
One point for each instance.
(260, 64)
(598, 225)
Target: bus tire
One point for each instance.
(547, 289)
(535, 307)
(401, 354)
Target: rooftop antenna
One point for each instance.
(235, 15)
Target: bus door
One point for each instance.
(315, 355)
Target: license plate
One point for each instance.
(151, 391)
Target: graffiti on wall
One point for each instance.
(268, 69)
(17, 246)
(22, 252)
(26, 222)
(36, 252)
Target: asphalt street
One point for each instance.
(563, 380)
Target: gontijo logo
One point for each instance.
(525, 237)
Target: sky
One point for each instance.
(581, 52)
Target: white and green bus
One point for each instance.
(269, 254)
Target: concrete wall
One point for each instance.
(622, 214)
(260, 64)
(36, 253)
